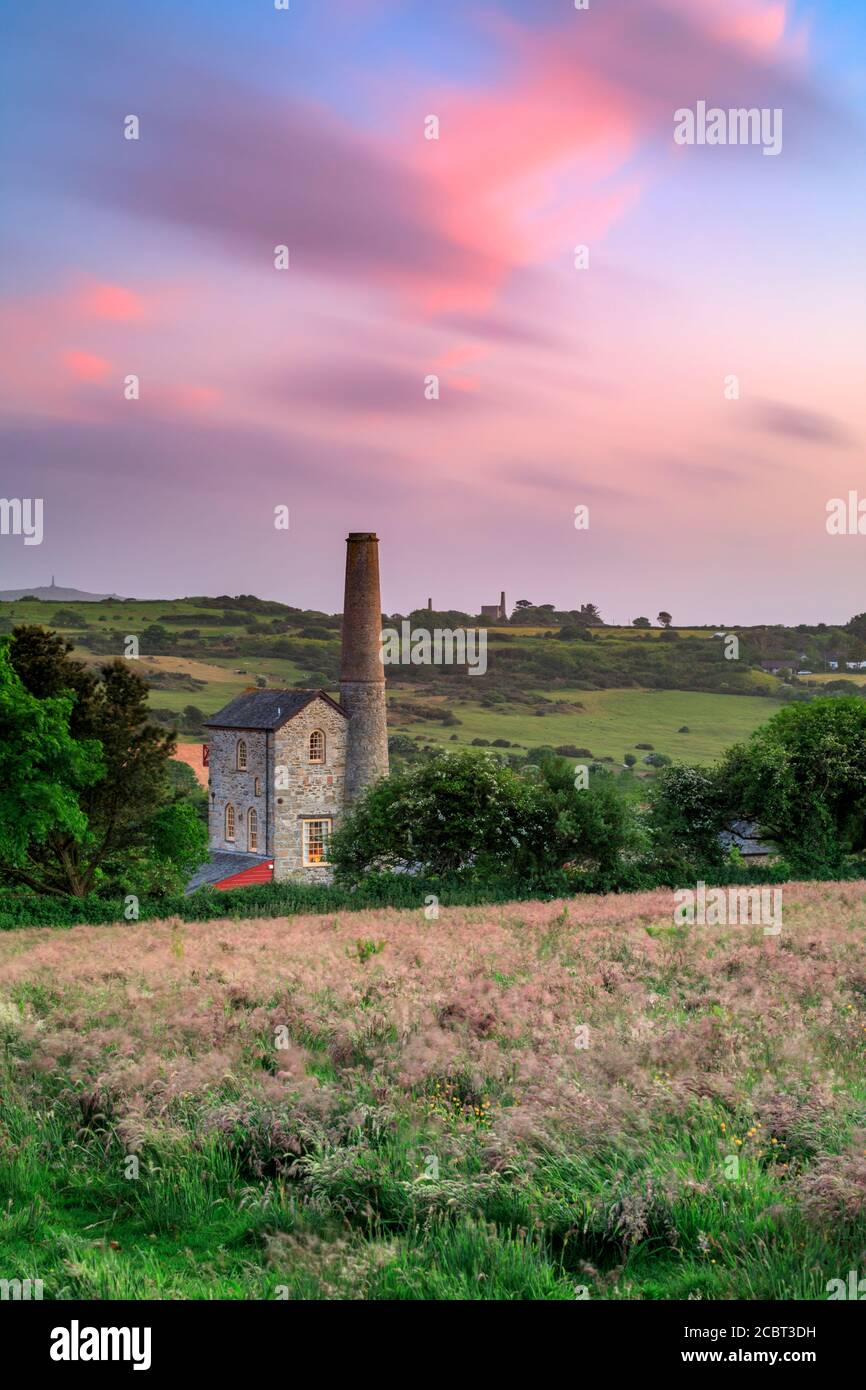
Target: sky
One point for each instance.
(561, 383)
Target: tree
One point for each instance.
(802, 777)
(687, 811)
(111, 710)
(590, 615)
(641, 622)
(44, 771)
(665, 619)
(193, 718)
(466, 814)
(589, 828)
(457, 812)
(178, 836)
(156, 638)
(41, 660)
(523, 603)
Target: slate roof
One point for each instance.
(223, 864)
(265, 709)
(745, 835)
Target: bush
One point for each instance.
(456, 813)
(474, 818)
(687, 812)
(802, 777)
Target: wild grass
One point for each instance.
(521, 1101)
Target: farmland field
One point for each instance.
(612, 722)
(530, 1101)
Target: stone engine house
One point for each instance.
(284, 765)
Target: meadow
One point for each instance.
(525, 1101)
(608, 722)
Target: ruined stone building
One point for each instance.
(494, 611)
(285, 764)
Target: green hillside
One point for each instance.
(549, 680)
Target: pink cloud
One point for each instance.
(86, 366)
(107, 301)
(541, 156)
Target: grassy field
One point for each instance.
(221, 680)
(612, 722)
(857, 678)
(533, 1101)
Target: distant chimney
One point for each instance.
(362, 675)
(502, 612)
(429, 605)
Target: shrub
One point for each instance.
(454, 813)
(686, 814)
(802, 776)
(478, 819)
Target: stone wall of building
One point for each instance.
(243, 789)
(303, 790)
(367, 760)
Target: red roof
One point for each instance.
(247, 878)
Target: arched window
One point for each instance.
(230, 822)
(252, 830)
(317, 746)
(242, 755)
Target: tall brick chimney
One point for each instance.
(362, 675)
(502, 612)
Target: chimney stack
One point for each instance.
(502, 612)
(362, 675)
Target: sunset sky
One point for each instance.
(454, 257)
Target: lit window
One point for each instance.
(230, 822)
(252, 830)
(317, 746)
(242, 756)
(316, 834)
